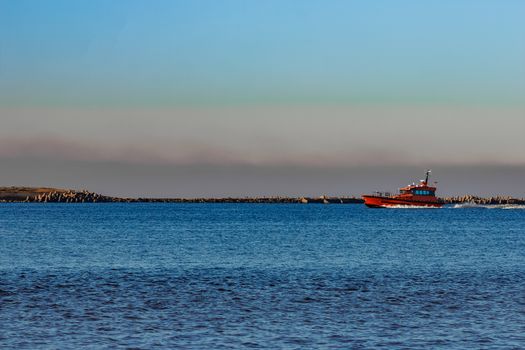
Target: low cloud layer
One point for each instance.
(266, 136)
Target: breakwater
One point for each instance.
(301, 200)
(45, 194)
(55, 195)
(496, 200)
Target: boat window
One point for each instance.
(423, 193)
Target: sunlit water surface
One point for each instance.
(220, 276)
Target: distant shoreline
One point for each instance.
(57, 195)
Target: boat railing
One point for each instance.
(383, 194)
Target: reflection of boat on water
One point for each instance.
(415, 195)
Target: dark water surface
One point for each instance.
(220, 276)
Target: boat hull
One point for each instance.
(385, 202)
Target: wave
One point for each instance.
(467, 205)
(488, 206)
(400, 206)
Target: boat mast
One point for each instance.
(426, 178)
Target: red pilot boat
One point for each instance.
(420, 195)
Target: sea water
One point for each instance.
(275, 276)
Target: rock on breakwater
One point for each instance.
(496, 200)
(45, 194)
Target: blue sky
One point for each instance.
(151, 53)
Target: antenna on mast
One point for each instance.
(428, 173)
